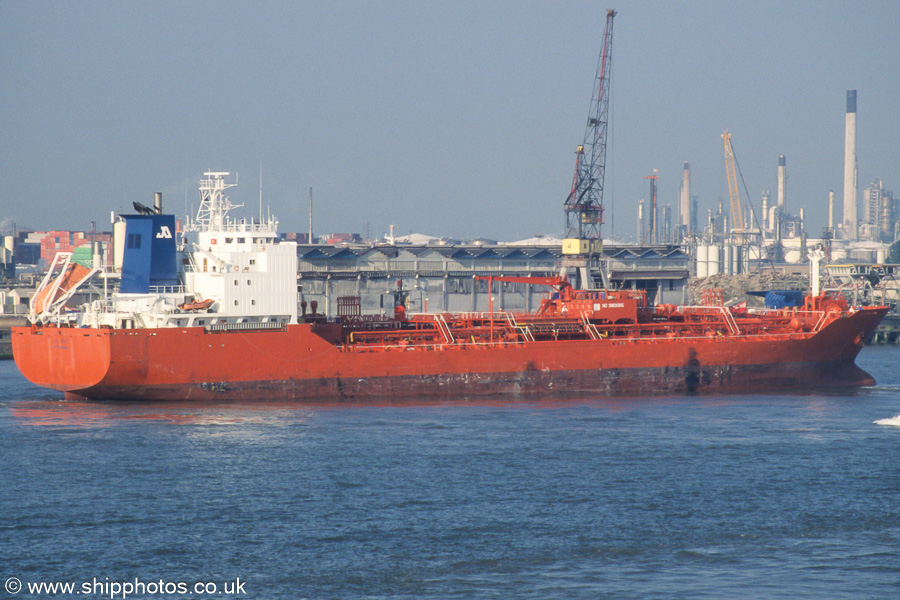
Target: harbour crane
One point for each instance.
(743, 235)
(737, 218)
(584, 205)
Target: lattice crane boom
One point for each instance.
(584, 206)
(737, 218)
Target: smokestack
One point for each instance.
(654, 223)
(831, 210)
(667, 224)
(157, 202)
(850, 186)
(640, 223)
(685, 204)
(765, 209)
(782, 184)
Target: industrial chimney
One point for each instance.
(850, 186)
(831, 212)
(685, 200)
(640, 222)
(782, 185)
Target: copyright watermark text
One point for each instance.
(105, 588)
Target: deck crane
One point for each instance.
(584, 206)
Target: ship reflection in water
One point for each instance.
(102, 414)
(95, 415)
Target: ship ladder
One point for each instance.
(821, 322)
(590, 327)
(524, 331)
(445, 329)
(139, 320)
(191, 261)
(729, 320)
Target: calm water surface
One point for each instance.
(781, 496)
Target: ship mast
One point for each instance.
(214, 205)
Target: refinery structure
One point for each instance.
(740, 236)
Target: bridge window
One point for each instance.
(134, 240)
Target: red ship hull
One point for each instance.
(295, 363)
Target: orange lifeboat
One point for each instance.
(197, 305)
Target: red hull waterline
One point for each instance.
(295, 363)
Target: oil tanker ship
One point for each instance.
(213, 314)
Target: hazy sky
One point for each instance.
(449, 118)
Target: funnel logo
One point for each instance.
(164, 232)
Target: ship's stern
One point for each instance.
(67, 359)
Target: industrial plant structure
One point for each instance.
(736, 235)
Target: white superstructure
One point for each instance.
(240, 264)
(231, 274)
